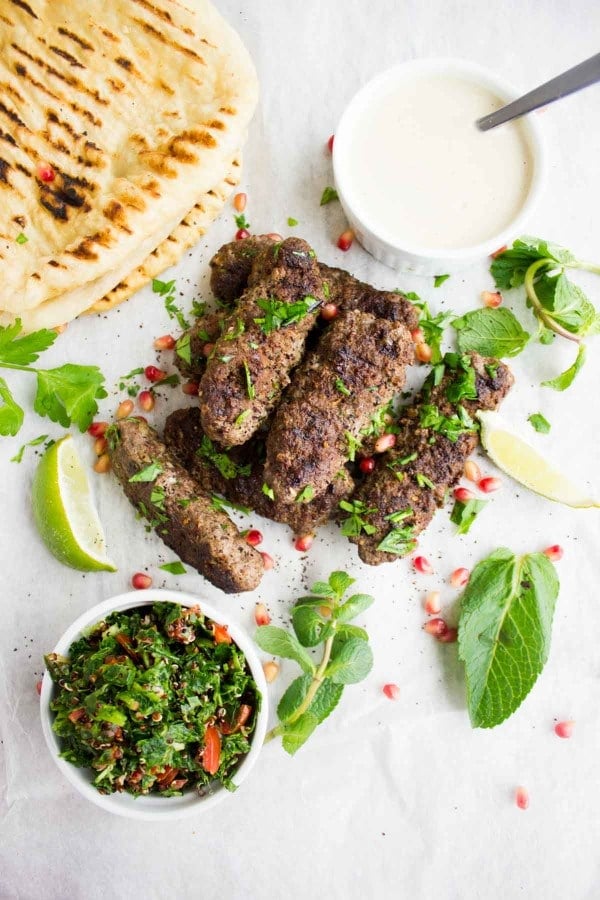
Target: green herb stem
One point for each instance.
(540, 312)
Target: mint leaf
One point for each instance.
(147, 474)
(329, 194)
(504, 632)
(294, 695)
(295, 734)
(566, 303)
(326, 699)
(280, 643)
(322, 587)
(22, 351)
(174, 568)
(68, 394)
(566, 378)
(340, 582)
(353, 662)
(491, 332)
(508, 269)
(539, 422)
(439, 280)
(464, 514)
(353, 607)
(310, 626)
(11, 414)
(345, 633)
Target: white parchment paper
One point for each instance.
(387, 799)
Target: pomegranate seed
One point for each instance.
(97, 429)
(450, 636)
(239, 202)
(498, 252)
(261, 616)
(366, 464)
(345, 240)
(418, 336)
(46, 173)
(241, 234)
(191, 388)
(459, 578)
(268, 561)
(140, 581)
(38, 686)
(124, 409)
(254, 537)
(102, 464)
(423, 352)
(146, 401)
(384, 442)
(207, 349)
(489, 485)
(274, 236)
(166, 342)
(493, 299)
(463, 494)
(422, 565)
(522, 797)
(432, 604)
(330, 143)
(564, 729)
(153, 374)
(304, 542)
(329, 311)
(554, 553)
(391, 691)
(472, 471)
(271, 670)
(436, 627)
(100, 446)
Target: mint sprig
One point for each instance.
(67, 394)
(320, 619)
(504, 631)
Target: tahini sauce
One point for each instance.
(423, 173)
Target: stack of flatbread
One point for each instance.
(121, 126)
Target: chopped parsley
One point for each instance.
(166, 290)
(148, 474)
(451, 427)
(306, 494)
(234, 331)
(157, 498)
(431, 326)
(381, 421)
(21, 238)
(278, 314)
(268, 491)
(242, 417)
(292, 222)
(539, 422)
(149, 702)
(439, 280)
(353, 445)
(249, 386)
(222, 504)
(241, 222)
(462, 385)
(17, 458)
(424, 482)
(183, 348)
(198, 308)
(398, 541)
(400, 515)
(356, 522)
(220, 460)
(341, 387)
(329, 194)
(174, 568)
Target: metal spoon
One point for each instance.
(569, 82)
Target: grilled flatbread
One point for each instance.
(187, 233)
(138, 106)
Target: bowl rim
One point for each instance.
(438, 65)
(152, 808)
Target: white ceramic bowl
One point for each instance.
(155, 808)
(407, 257)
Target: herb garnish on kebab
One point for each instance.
(436, 435)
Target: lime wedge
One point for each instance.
(64, 511)
(519, 460)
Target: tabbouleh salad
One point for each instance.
(155, 700)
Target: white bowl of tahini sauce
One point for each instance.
(423, 189)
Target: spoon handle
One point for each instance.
(574, 79)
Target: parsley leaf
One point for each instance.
(221, 461)
(166, 289)
(278, 313)
(241, 222)
(306, 494)
(24, 350)
(329, 194)
(450, 427)
(222, 504)
(464, 514)
(491, 332)
(341, 387)
(11, 414)
(147, 474)
(68, 394)
(398, 541)
(174, 568)
(356, 522)
(268, 491)
(539, 422)
(439, 280)
(183, 348)
(504, 631)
